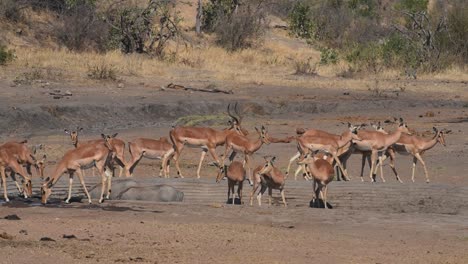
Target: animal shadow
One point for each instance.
(236, 201)
(318, 203)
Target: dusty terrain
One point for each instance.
(212, 232)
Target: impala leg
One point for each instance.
(212, 150)
(345, 174)
(254, 189)
(381, 168)
(270, 195)
(233, 184)
(203, 154)
(391, 154)
(80, 177)
(363, 163)
(5, 193)
(70, 184)
(324, 194)
(293, 158)
(229, 190)
(13, 177)
(283, 197)
(259, 196)
(373, 162)
(418, 156)
(177, 154)
(415, 160)
(109, 183)
(239, 191)
(16, 168)
(314, 188)
(298, 170)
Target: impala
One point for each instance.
(322, 173)
(416, 147)
(377, 142)
(82, 157)
(151, 149)
(235, 175)
(119, 148)
(240, 143)
(204, 137)
(333, 144)
(268, 176)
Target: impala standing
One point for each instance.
(151, 149)
(268, 176)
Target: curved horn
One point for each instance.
(231, 115)
(239, 116)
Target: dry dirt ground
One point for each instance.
(120, 231)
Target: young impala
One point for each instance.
(235, 174)
(150, 149)
(268, 176)
(322, 173)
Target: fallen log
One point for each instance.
(205, 90)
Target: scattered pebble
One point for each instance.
(69, 236)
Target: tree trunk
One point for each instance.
(199, 17)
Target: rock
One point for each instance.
(23, 232)
(69, 236)
(12, 217)
(6, 236)
(121, 85)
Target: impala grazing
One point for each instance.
(268, 176)
(204, 137)
(83, 157)
(151, 149)
(235, 175)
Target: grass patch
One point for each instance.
(194, 120)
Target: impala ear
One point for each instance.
(256, 129)
(44, 157)
(435, 129)
(113, 136)
(104, 136)
(80, 129)
(273, 159)
(349, 125)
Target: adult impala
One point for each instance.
(416, 147)
(377, 142)
(333, 144)
(15, 155)
(151, 149)
(204, 137)
(82, 157)
(119, 148)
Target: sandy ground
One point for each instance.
(182, 233)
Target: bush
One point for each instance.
(82, 28)
(300, 21)
(305, 67)
(11, 10)
(236, 27)
(328, 56)
(102, 71)
(6, 55)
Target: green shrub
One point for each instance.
(300, 21)
(328, 56)
(6, 55)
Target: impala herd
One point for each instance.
(318, 153)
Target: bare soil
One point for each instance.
(124, 231)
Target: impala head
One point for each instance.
(74, 135)
(221, 172)
(354, 131)
(403, 127)
(305, 159)
(40, 166)
(235, 122)
(441, 135)
(263, 133)
(268, 166)
(45, 190)
(109, 141)
(27, 186)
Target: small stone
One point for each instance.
(47, 239)
(12, 217)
